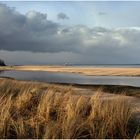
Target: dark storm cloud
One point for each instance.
(62, 16)
(33, 32)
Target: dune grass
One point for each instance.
(33, 110)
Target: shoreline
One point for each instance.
(90, 71)
(111, 89)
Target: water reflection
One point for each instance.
(71, 78)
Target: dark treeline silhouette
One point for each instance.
(2, 63)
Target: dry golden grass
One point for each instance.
(32, 110)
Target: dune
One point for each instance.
(40, 110)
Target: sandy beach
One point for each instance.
(111, 71)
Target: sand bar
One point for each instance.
(96, 71)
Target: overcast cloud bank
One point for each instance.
(34, 32)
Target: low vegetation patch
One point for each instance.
(2, 63)
(33, 110)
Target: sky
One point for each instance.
(38, 33)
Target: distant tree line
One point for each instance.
(2, 63)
